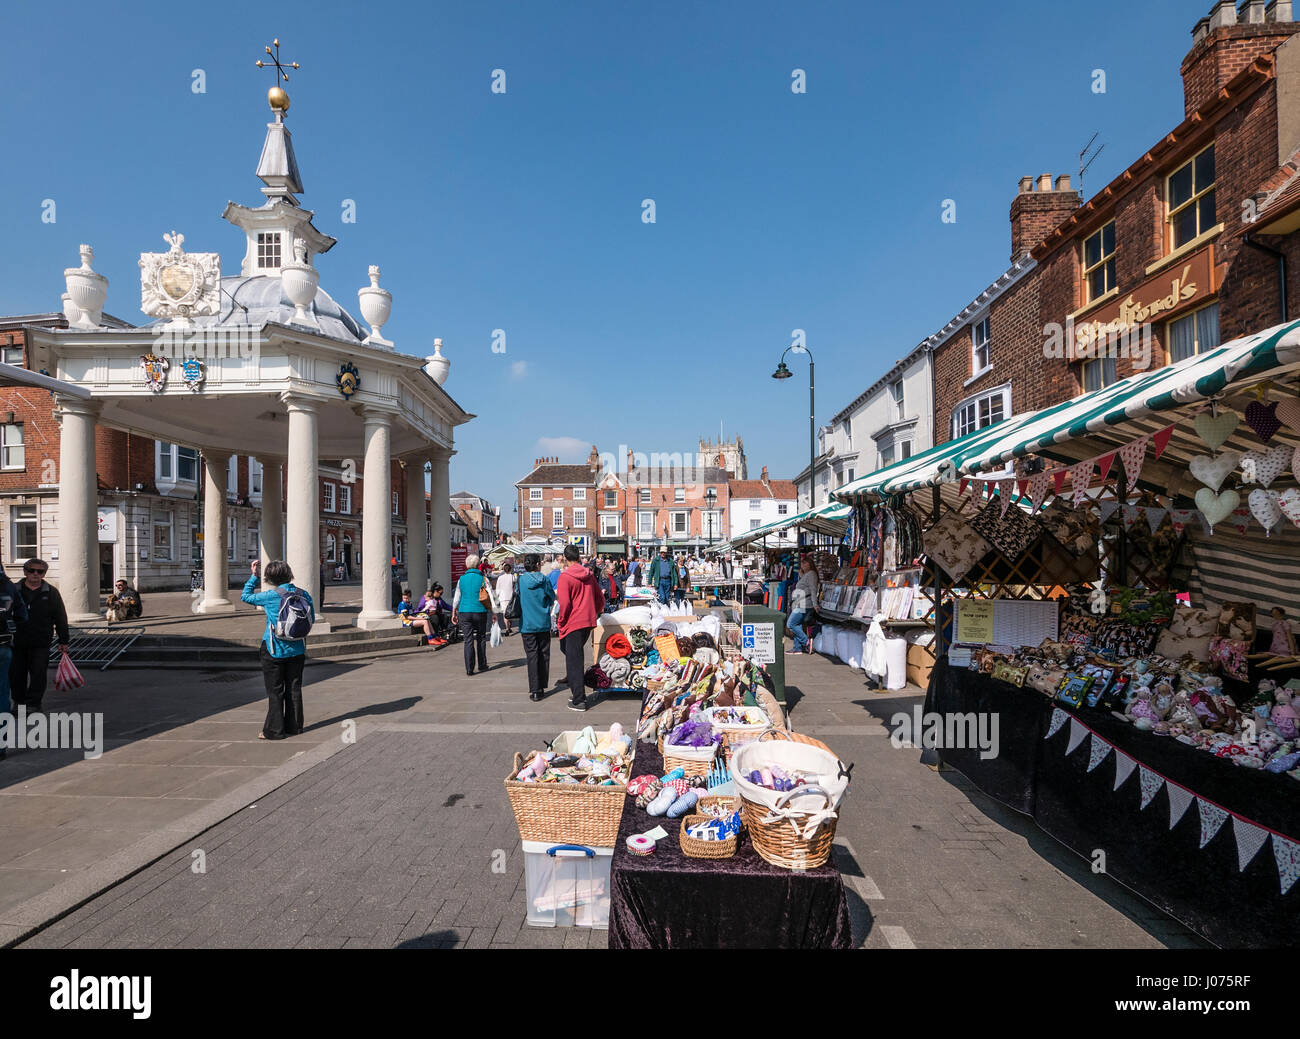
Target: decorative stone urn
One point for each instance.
(376, 305)
(299, 281)
(87, 291)
(437, 366)
(70, 310)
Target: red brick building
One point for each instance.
(682, 507)
(558, 503)
(1184, 249)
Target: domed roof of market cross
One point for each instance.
(259, 298)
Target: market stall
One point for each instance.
(1115, 581)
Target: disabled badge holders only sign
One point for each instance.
(758, 642)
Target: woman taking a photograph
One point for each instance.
(472, 608)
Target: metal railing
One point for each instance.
(96, 646)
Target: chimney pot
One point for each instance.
(1278, 11)
(1199, 30)
(1026, 184)
(1063, 182)
(1044, 182)
(1223, 13)
(1253, 12)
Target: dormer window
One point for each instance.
(268, 249)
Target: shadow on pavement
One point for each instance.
(392, 707)
(432, 940)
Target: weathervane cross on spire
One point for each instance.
(277, 97)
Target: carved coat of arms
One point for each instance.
(349, 379)
(155, 370)
(177, 284)
(192, 372)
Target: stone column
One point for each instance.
(417, 545)
(377, 524)
(302, 551)
(440, 519)
(216, 568)
(78, 519)
(271, 524)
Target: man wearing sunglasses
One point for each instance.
(28, 670)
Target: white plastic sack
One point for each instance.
(842, 638)
(854, 659)
(874, 660)
(895, 663)
(495, 638)
(630, 616)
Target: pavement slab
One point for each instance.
(189, 832)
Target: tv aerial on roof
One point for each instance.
(1084, 165)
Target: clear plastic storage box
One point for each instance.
(567, 884)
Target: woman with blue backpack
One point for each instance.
(289, 617)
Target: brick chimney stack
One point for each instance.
(1038, 209)
(1228, 39)
(763, 476)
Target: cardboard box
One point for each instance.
(920, 662)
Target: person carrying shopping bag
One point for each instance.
(535, 599)
(472, 608)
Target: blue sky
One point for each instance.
(522, 211)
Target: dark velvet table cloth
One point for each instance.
(1201, 887)
(669, 901)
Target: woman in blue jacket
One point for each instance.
(472, 614)
(282, 659)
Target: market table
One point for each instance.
(1060, 767)
(669, 901)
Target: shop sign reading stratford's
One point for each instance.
(1165, 293)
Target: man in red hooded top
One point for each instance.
(580, 603)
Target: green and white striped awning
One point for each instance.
(1097, 422)
(825, 519)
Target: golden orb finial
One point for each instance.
(278, 99)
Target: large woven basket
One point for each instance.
(796, 737)
(566, 813)
(794, 837)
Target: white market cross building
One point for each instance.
(276, 362)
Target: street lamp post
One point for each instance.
(782, 372)
(710, 497)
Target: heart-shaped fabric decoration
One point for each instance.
(1288, 413)
(1215, 429)
(1216, 507)
(1265, 508)
(1212, 470)
(1262, 418)
(1263, 467)
(1289, 503)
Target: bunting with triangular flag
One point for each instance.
(1104, 463)
(1097, 752)
(1155, 517)
(1080, 478)
(1212, 817)
(1131, 513)
(1287, 853)
(1124, 766)
(1038, 489)
(1250, 838)
(1133, 455)
(1182, 517)
(1058, 479)
(1077, 732)
(1150, 782)
(1059, 718)
(1161, 440)
(1108, 508)
(1004, 492)
(1179, 798)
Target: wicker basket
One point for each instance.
(694, 848)
(729, 802)
(734, 735)
(567, 813)
(797, 737)
(781, 843)
(691, 760)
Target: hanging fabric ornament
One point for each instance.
(1212, 817)
(1080, 477)
(1288, 413)
(1161, 440)
(1262, 418)
(1250, 838)
(1215, 425)
(1289, 502)
(1104, 463)
(1287, 853)
(1179, 798)
(1132, 456)
(1265, 506)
